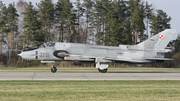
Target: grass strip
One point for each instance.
(89, 90)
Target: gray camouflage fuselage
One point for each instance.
(151, 50)
(83, 52)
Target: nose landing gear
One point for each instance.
(53, 69)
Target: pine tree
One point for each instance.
(32, 27)
(137, 18)
(177, 45)
(126, 23)
(46, 14)
(21, 7)
(65, 20)
(79, 14)
(148, 13)
(70, 22)
(176, 55)
(88, 4)
(2, 24)
(12, 25)
(107, 4)
(122, 27)
(159, 22)
(59, 18)
(117, 23)
(97, 21)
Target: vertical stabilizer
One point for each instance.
(159, 41)
(163, 41)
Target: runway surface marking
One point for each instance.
(87, 76)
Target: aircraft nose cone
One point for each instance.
(20, 54)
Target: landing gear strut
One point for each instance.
(53, 69)
(103, 70)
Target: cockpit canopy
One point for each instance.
(49, 44)
(42, 46)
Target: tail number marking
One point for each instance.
(46, 55)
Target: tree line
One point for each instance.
(102, 22)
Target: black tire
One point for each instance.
(53, 69)
(99, 70)
(103, 71)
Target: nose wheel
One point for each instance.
(53, 69)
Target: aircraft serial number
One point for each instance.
(44, 55)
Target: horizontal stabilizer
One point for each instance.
(163, 50)
(125, 60)
(158, 59)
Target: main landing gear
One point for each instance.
(103, 70)
(53, 69)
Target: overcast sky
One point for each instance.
(171, 7)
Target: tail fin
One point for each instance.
(161, 44)
(158, 41)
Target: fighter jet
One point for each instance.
(149, 51)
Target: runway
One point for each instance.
(88, 76)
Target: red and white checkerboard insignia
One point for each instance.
(161, 36)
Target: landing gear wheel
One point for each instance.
(53, 69)
(103, 70)
(99, 70)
